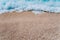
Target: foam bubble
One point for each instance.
(34, 5)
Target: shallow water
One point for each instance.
(25, 5)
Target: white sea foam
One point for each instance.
(24, 5)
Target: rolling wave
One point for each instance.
(25, 5)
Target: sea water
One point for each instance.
(35, 5)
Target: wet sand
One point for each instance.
(28, 26)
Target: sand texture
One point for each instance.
(28, 26)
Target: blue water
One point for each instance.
(25, 5)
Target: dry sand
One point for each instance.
(27, 26)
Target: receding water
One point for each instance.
(25, 5)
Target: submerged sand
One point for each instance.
(28, 26)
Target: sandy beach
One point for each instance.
(28, 26)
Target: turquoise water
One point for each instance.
(25, 5)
